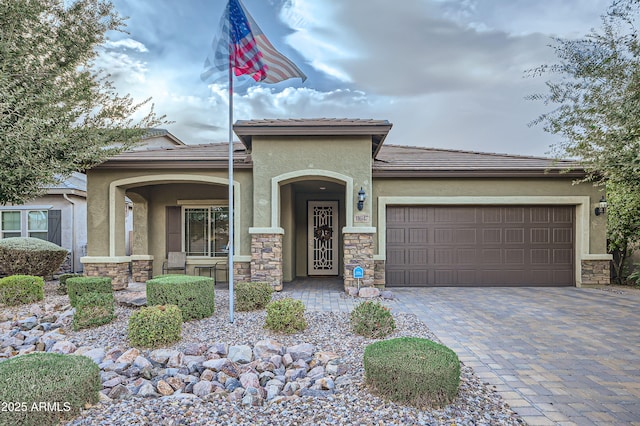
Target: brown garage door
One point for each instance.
(480, 246)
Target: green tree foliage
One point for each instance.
(596, 96)
(58, 114)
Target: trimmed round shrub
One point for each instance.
(250, 296)
(155, 326)
(21, 289)
(372, 319)
(286, 315)
(62, 282)
(413, 371)
(30, 256)
(47, 388)
(78, 286)
(195, 296)
(93, 309)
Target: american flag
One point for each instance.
(252, 53)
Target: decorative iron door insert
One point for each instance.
(322, 238)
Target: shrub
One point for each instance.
(78, 286)
(372, 319)
(93, 309)
(62, 282)
(195, 296)
(64, 383)
(250, 296)
(21, 289)
(30, 256)
(155, 326)
(412, 371)
(286, 315)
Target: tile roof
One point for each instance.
(398, 159)
(391, 160)
(75, 182)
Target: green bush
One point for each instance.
(30, 256)
(21, 289)
(195, 296)
(62, 282)
(155, 326)
(413, 371)
(250, 296)
(93, 309)
(286, 315)
(80, 285)
(47, 388)
(372, 319)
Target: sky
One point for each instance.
(446, 73)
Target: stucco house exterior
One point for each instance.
(319, 197)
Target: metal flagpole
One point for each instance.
(231, 203)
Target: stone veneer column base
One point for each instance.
(141, 268)
(118, 271)
(266, 259)
(358, 251)
(379, 277)
(596, 272)
(241, 271)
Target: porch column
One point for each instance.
(116, 268)
(596, 271)
(141, 268)
(266, 256)
(358, 251)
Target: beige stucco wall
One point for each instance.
(493, 187)
(276, 156)
(158, 189)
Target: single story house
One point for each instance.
(319, 197)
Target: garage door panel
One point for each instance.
(480, 245)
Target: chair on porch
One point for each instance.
(176, 261)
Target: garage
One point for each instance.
(480, 246)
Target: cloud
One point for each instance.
(126, 43)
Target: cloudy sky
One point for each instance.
(446, 73)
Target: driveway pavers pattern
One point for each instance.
(567, 356)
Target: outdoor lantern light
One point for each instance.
(602, 208)
(361, 197)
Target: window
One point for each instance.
(37, 222)
(10, 224)
(206, 231)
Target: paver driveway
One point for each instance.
(557, 355)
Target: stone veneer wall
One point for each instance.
(141, 270)
(266, 259)
(241, 271)
(596, 272)
(358, 251)
(379, 278)
(118, 272)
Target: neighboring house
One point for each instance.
(430, 217)
(59, 216)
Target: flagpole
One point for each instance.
(230, 165)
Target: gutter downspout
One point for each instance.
(73, 232)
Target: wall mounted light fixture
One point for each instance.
(602, 207)
(361, 197)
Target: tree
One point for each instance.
(597, 110)
(58, 114)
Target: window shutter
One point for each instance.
(55, 224)
(174, 228)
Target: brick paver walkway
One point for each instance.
(565, 356)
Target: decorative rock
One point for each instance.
(251, 397)
(249, 380)
(63, 347)
(147, 390)
(215, 364)
(113, 354)
(316, 373)
(325, 383)
(114, 382)
(202, 388)
(265, 349)
(119, 392)
(28, 323)
(287, 360)
(128, 357)
(96, 355)
(230, 369)
(295, 373)
(141, 362)
(207, 375)
(218, 349)
(176, 360)
(303, 351)
(232, 384)
(368, 292)
(241, 354)
(336, 367)
(175, 383)
(164, 388)
(352, 291)
(194, 349)
(387, 294)
(161, 356)
(324, 357)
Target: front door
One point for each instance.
(322, 237)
